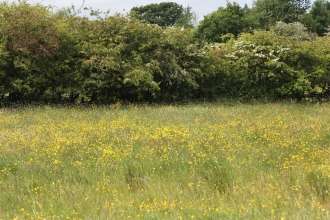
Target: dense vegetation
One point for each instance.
(58, 56)
(206, 161)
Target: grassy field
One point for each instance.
(206, 161)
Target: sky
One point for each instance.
(200, 7)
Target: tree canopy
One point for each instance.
(271, 11)
(229, 19)
(318, 18)
(166, 14)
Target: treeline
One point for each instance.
(61, 57)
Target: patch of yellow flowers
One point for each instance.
(198, 161)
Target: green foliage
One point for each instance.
(37, 44)
(268, 66)
(271, 11)
(166, 14)
(311, 61)
(230, 19)
(62, 57)
(188, 19)
(318, 18)
(254, 67)
(144, 61)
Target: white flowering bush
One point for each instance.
(268, 66)
(295, 29)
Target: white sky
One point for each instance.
(200, 7)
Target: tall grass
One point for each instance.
(206, 161)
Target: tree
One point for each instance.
(301, 6)
(231, 19)
(166, 14)
(188, 19)
(250, 19)
(271, 11)
(318, 19)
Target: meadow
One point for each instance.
(196, 161)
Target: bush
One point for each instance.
(264, 65)
(37, 48)
(52, 57)
(62, 57)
